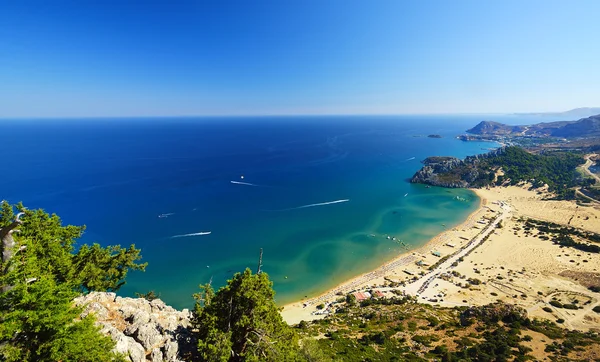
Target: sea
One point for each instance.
(201, 196)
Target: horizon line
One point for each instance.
(287, 115)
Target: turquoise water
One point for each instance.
(312, 192)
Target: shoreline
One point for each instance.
(494, 255)
(381, 274)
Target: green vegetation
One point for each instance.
(402, 331)
(150, 296)
(557, 169)
(41, 273)
(240, 322)
(564, 235)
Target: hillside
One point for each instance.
(495, 128)
(587, 127)
(584, 128)
(510, 165)
(402, 330)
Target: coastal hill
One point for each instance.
(585, 128)
(507, 165)
(495, 128)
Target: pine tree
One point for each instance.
(241, 322)
(40, 274)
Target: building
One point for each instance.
(360, 296)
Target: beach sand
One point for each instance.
(513, 267)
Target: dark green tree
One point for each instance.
(40, 274)
(240, 322)
(39, 323)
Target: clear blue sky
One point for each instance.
(143, 58)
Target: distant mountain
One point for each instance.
(573, 113)
(495, 128)
(586, 128)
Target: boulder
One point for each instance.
(142, 330)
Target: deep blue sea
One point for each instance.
(310, 191)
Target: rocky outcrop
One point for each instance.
(451, 171)
(436, 172)
(143, 330)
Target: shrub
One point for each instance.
(547, 309)
(556, 303)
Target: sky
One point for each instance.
(102, 58)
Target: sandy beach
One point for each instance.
(492, 249)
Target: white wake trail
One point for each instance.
(408, 159)
(243, 183)
(192, 234)
(318, 204)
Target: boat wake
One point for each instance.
(317, 204)
(244, 183)
(408, 159)
(192, 234)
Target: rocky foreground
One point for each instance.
(143, 330)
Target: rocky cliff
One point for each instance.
(143, 330)
(436, 172)
(451, 171)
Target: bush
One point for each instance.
(556, 303)
(474, 281)
(560, 321)
(596, 309)
(547, 309)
